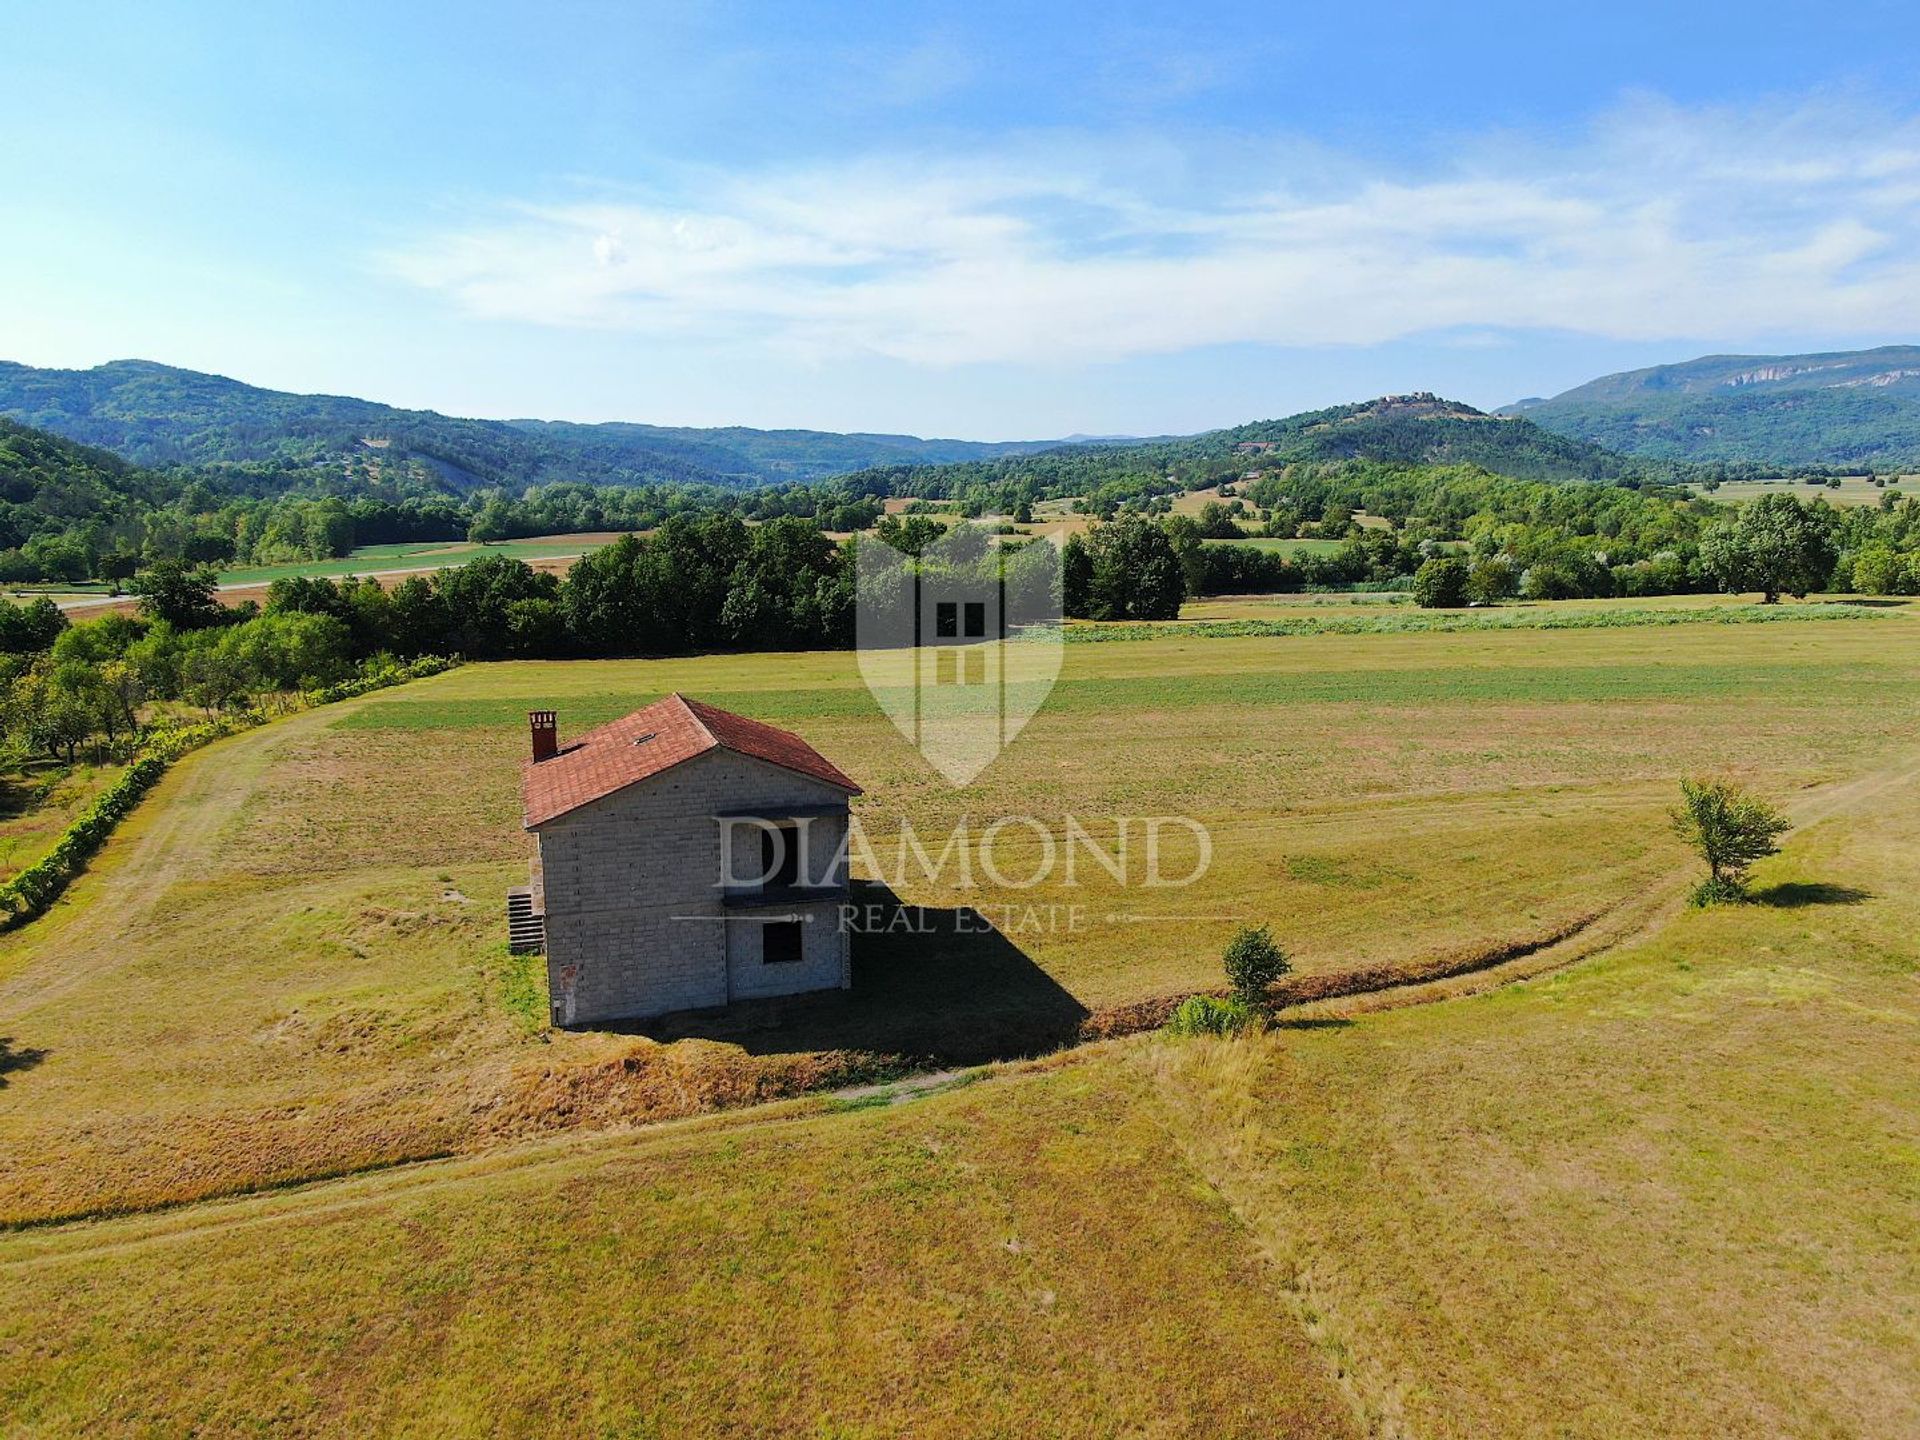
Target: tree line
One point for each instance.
(706, 581)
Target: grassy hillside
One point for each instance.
(161, 415)
(1842, 408)
(1671, 1190)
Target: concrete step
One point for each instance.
(526, 936)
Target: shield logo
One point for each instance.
(960, 644)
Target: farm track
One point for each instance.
(205, 800)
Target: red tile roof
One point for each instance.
(664, 734)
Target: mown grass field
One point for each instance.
(1852, 489)
(422, 555)
(1337, 603)
(1288, 547)
(391, 562)
(290, 962)
(1674, 1191)
(932, 1268)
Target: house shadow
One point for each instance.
(1798, 895)
(16, 1057)
(940, 985)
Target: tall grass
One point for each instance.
(1429, 622)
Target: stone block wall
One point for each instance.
(632, 884)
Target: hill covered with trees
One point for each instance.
(1571, 518)
(71, 512)
(1404, 430)
(158, 415)
(1857, 408)
(212, 471)
(63, 505)
(1423, 429)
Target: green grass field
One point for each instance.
(1288, 547)
(425, 555)
(1852, 489)
(1669, 1188)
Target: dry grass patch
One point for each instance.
(1673, 1192)
(1021, 1259)
(290, 961)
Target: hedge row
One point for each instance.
(379, 675)
(35, 888)
(40, 884)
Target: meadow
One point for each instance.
(291, 964)
(91, 599)
(1685, 1148)
(1852, 489)
(1673, 1190)
(1289, 547)
(420, 556)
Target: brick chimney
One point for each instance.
(546, 734)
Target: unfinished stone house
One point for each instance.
(686, 857)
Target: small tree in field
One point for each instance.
(1731, 829)
(1253, 962)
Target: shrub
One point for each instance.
(1716, 891)
(1209, 1015)
(1881, 570)
(1492, 580)
(1441, 584)
(378, 674)
(1253, 962)
(1731, 829)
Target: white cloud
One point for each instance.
(1659, 222)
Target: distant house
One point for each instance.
(686, 857)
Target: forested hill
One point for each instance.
(157, 415)
(1850, 407)
(1418, 429)
(1423, 429)
(45, 480)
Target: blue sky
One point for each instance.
(973, 219)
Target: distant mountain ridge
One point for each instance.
(1836, 408)
(160, 415)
